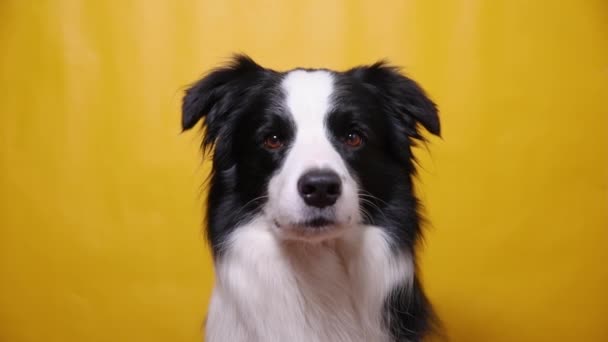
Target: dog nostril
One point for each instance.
(307, 189)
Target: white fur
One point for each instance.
(274, 283)
(269, 289)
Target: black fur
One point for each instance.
(241, 102)
(235, 101)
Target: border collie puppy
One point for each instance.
(311, 213)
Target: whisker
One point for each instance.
(366, 215)
(367, 194)
(375, 207)
(248, 203)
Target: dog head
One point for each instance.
(310, 152)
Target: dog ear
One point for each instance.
(216, 95)
(401, 96)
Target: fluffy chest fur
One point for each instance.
(272, 290)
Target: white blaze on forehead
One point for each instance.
(308, 96)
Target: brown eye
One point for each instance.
(273, 142)
(353, 139)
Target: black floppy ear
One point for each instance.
(217, 94)
(402, 97)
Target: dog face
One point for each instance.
(311, 153)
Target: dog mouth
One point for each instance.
(315, 229)
(317, 222)
(313, 223)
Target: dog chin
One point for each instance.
(313, 231)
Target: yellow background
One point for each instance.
(100, 206)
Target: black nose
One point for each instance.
(320, 188)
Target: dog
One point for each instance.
(311, 214)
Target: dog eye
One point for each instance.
(273, 142)
(353, 139)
